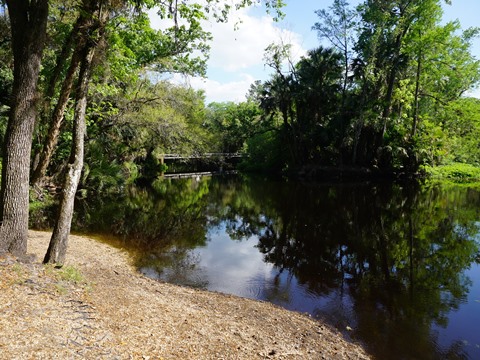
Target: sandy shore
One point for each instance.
(112, 312)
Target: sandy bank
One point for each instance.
(115, 313)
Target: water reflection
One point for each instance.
(395, 263)
(388, 261)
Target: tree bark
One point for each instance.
(94, 31)
(28, 25)
(417, 94)
(57, 248)
(56, 121)
(62, 58)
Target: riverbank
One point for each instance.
(99, 307)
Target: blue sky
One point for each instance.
(236, 58)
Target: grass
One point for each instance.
(19, 274)
(457, 173)
(70, 274)
(66, 278)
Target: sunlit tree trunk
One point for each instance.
(91, 37)
(28, 25)
(58, 244)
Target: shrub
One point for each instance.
(459, 173)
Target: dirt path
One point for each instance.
(113, 312)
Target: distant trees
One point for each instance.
(232, 124)
(378, 98)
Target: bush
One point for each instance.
(264, 153)
(458, 173)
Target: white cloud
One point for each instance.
(237, 55)
(473, 93)
(216, 91)
(233, 50)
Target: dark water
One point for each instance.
(393, 266)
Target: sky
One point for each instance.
(237, 56)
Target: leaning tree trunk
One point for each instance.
(28, 23)
(56, 121)
(92, 35)
(58, 243)
(77, 35)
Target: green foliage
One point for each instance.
(101, 173)
(231, 124)
(461, 124)
(131, 172)
(389, 97)
(134, 45)
(459, 173)
(264, 153)
(302, 105)
(130, 129)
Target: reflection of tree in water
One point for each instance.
(177, 266)
(397, 252)
(280, 288)
(155, 224)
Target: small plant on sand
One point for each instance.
(70, 274)
(19, 274)
(66, 278)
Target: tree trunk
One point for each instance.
(60, 63)
(56, 121)
(387, 110)
(57, 248)
(417, 95)
(58, 243)
(28, 23)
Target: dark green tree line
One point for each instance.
(377, 99)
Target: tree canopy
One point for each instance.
(68, 58)
(376, 99)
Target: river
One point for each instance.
(394, 266)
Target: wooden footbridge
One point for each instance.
(201, 164)
(164, 157)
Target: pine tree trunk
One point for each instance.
(28, 23)
(59, 242)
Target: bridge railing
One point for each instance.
(201, 156)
